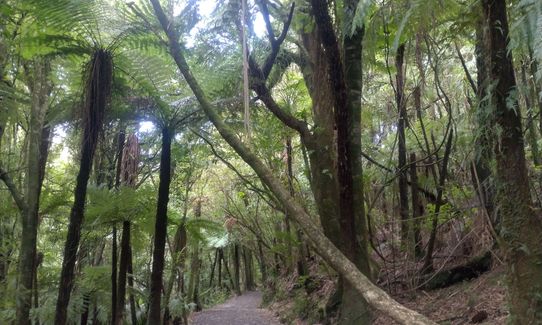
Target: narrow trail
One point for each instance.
(241, 310)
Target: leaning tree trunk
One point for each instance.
(375, 296)
(40, 88)
(160, 232)
(97, 92)
(521, 223)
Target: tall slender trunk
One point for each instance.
(195, 264)
(481, 172)
(300, 247)
(114, 255)
(219, 255)
(98, 90)
(123, 269)
(178, 257)
(521, 225)
(354, 308)
(213, 267)
(401, 142)
(114, 271)
(40, 88)
(247, 263)
(236, 269)
(131, 285)
(160, 232)
(261, 259)
(227, 269)
(415, 240)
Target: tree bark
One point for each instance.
(213, 267)
(160, 232)
(415, 239)
(247, 263)
(114, 271)
(300, 247)
(96, 98)
(483, 144)
(36, 157)
(131, 285)
(354, 309)
(195, 265)
(521, 225)
(263, 266)
(401, 142)
(236, 270)
(123, 269)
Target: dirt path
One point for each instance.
(242, 310)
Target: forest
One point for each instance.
(240, 162)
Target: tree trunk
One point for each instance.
(401, 143)
(520, 222)
(532, 134)
(114, 271)
(213, 267)
(131, 285)
(123, 269)
(160, 232)
(36, 157)
(263, 266)
(227, 269)
(483, 145)
(218, 251)
(96, 98)
(247, 262)
(354, 308)
(300, 251)
(195, 264)
(236, 270)
(415, 240)
(114, 254)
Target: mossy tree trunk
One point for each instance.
(40, 88)
(521, 223)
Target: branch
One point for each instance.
(265, 13)
(15, 193)
(275, 43)
(258, 85)
(464, 65)
(271, 201)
